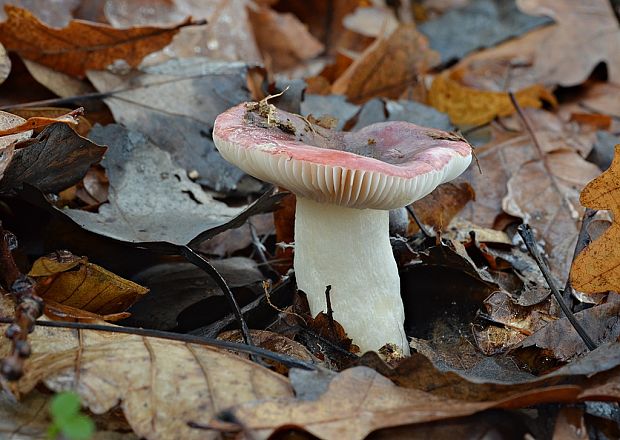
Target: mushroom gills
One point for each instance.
(350, 250)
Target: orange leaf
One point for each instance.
(43, 121)
(468, 106)
(82, 45)
(597, 268)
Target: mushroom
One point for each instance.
(346, 183)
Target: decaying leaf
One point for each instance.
(82, 126)
(388, 67)
(546, 197)
(151, 199)
(381, 110)
(56, 159)
(99, 45)
(587, 33)
(56, 14)
(468, 106)
(161, 385)
(75, 282)
(38, 122)
(175, 105)
(360, 400)
(282, 39)
(597, 267)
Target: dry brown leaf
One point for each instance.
(5, 64)
(547, 199)
(161, 385)
(597, 267)
(98, 45)
(60, 83)
(439, 207)
(388, 67)
(74, 282)
(38, 122)
(83, 125)
(359, 400)
(7, 121)
(468, 106)
(283, 40)
(587, 33)
(60, 312)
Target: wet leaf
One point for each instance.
(597, 267)
(388, 67)
(587, 33)
(161, 385)
(151, 199)
(468, 106)
(100, 45)
(56, 159)
(283, 40)
(175, 105)
(75, 282)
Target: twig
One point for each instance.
(260, 249)
(194, 258)
(418, 222)
(289, 361)
(530, 242)
(330, 312)
(28, 307)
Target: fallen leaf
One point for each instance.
(60, 83)
(5, 64)
(360, 400)
(160, 384)
(388, 67)
(99, 45)
(75, 282)
(175, 104)
(61, 312)
(468, 106)
(335, 106)
(570, 425)
(56, 159)
(458, 31)
(439, 207)
(38, 122)
(546, 197)
(82, 127)
(371, 21)
(226, 36)
(282, 39)
(597, 267)
(602, 153)
(151, 199)
(560, 340)
(56, 14)
(587, 33)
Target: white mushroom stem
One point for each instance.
(350, 250)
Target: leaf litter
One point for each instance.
(488, 338)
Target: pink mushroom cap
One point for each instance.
(382, 166)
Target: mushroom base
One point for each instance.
(350, 250)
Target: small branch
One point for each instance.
(28, 307)
(194, 258)
(289, 361)
(530, 242)
(418, 222)
(330, 312)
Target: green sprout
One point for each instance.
(67, 419)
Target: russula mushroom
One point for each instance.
(345, 183)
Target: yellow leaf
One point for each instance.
(469, 106)
(73, 281)
(597, 268)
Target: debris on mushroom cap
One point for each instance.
(382, 166)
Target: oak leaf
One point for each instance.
(161, 385)
(74, 281)
(80, 46)
(387, 67)
(597, 267)
(587, 33)
(469, 106)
